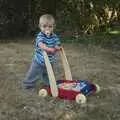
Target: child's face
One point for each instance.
(47, 29)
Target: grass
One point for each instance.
(89, 62)
(109, 38)
(97, 39)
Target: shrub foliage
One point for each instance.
(20, 17)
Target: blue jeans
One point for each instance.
(35, 72)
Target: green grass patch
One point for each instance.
(97, 39)
(115, 32)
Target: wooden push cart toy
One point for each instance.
(67, 89)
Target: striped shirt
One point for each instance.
(50, 42)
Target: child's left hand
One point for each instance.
(57, 48)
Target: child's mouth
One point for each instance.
(47, 33)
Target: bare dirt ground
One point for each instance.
(90, 62)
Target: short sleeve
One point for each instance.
(40, 38)
(57, 41)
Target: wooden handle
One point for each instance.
(51, 76)
(68, 75)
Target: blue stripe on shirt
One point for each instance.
(50, 42)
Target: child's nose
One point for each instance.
(47, 28)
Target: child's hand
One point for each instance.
(50, 50)
(58, 48)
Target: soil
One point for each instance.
(90, 62)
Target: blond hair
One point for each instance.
(46, 19)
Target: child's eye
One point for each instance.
(50, 26)
(44, 26)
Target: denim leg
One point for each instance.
(34, 71)
(45, 74)
(45, 77)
